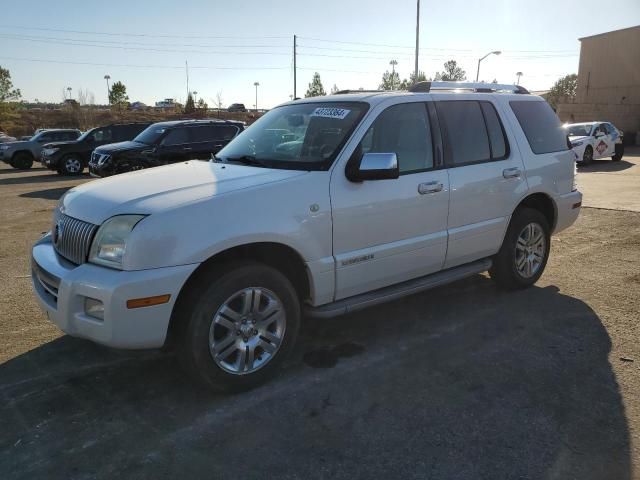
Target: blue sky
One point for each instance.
(230, 45)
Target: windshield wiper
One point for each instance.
(245, 160)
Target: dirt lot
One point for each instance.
(462, 382)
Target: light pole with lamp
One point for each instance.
(69, 90)
(495, 52)
(107, 78)
(518, 74)
(393, 64)
(256, 84)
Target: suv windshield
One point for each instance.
(304, 136)
(151, 134)
(578, 130)
(83, 137)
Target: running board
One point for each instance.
(393, 292)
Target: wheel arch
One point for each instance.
(279, 256)
(544, 204)
(27, 151)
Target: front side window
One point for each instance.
(404, 130)
(464, 128)
(176, 136)
(299, 136)
(541, 126)
(102, 135)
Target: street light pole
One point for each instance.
(256, 84)
(107, 78)
(495, 52)
(518, 74)
(393, 64)
(415, 74)
(69, 90)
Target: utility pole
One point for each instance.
(415, 73)
(393, 64)
(186, 67)
(294, 68)
(107, 78)
(256, 84)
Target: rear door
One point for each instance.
(486, 178)
(601, 144)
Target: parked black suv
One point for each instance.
(70, 158)
(163, 143)
(237, 107)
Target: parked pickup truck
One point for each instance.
(322, 207)
(22, 154)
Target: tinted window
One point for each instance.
(176, 136)
(46, 137)
(211, 133)
(102, 135)
(464, 127)
(497, 141)
(404, 130)
(540, 125)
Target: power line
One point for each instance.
(120, 34)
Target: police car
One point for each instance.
(595, 140)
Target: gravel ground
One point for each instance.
(461, 382)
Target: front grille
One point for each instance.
(72, 238)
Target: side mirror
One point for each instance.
(375, 166)
(599, 134)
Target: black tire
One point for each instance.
(619, 153)
(197, 309)
(22, 161)
(71, 165)
(587, 156)
(504, 270)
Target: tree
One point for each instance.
(334, 89)
(202, 105)
(405, 84)
(563, 91)
(190, 106)
(452, 72)
(7, 92)
(118, 95)
(218, 101)
(315, 87)
(390, 81)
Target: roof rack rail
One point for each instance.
(344, 92)
(479, 87)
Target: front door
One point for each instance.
(389, 231)
(175, 146)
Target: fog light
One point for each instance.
(94, 308)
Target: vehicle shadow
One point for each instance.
(5, 171)
(47, 194)
(604, 166)
(461, 382)
(54, 177)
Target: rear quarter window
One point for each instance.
(541, 126)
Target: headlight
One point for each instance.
(103, 159)
(49, 151)
(110, 243)
(4, 147)
(576, 144)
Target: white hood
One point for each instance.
(163, 188)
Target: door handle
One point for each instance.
(187, 149)
(430, 187)
(514, 172)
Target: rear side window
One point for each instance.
(464, 128)
(541, 126)
(212, 133)
(494, 129)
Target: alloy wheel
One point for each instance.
(247, 330)
(72, 165)
(530, 250)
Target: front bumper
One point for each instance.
(49, 161)
(61, 288)
(568, 206)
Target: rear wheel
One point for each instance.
(71, 165)
(237, 326)
(587, 156)
(22, 161)
(619, 153)
(524, 252)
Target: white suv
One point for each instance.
(323, 206)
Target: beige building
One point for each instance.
(608, 81)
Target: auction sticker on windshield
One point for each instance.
(339, 113)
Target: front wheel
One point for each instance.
(524, 252)
(237, 326)
(22, 161)
(70, 165)
(618, 154)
